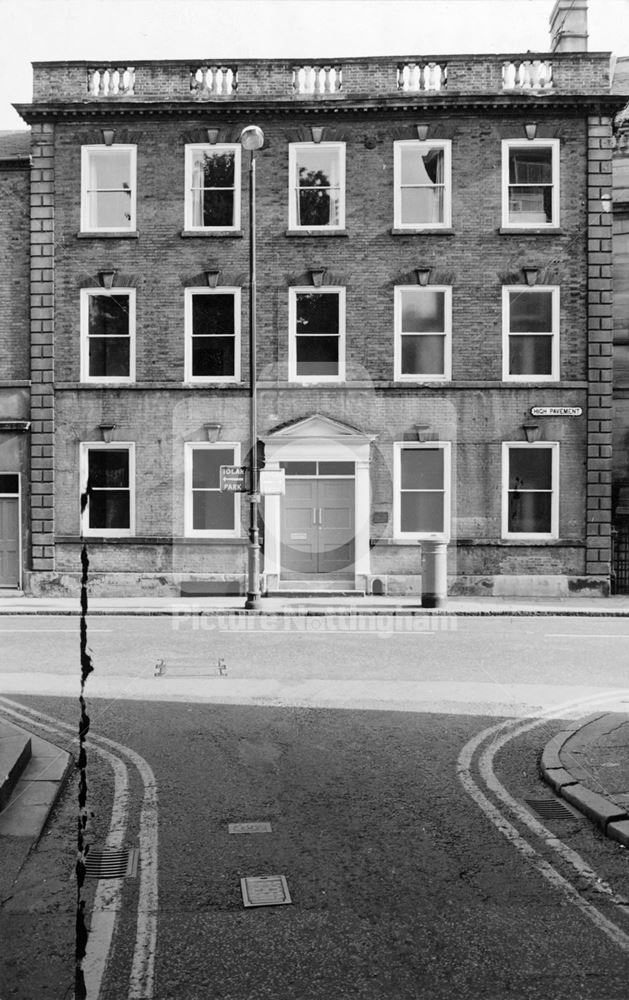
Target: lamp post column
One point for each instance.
(252, 138)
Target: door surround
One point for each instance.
(318, 438)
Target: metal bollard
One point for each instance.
(434, 574)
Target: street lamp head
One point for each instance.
(252, 137)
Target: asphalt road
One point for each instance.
(403, 884)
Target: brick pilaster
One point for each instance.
(42, 348)
(600, 333)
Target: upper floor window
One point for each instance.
(108, 335)
(316, 346)
(530, 183)
(212, 335)
(423, 325)
(422, 181)
(530, 334)
(209, 512)
(421, 490)
(108, 471)
(530, 490)
(108, 188)
(317, 185)
(212, 187)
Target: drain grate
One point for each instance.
(112, 864)
(550, 808)
(264, 890)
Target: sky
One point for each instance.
(129, 30)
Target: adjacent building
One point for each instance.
(434, 322)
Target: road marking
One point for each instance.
(502, 824)
(142, 976)
(587, 635)
(54, 630)
(572, 857)
(108, 896)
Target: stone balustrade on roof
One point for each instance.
(321, 80)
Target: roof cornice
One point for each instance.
(33, 113)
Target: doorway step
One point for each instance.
(317, 588)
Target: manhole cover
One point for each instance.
(550, 808)
(249, 827)
(112, 864)
(264, 890)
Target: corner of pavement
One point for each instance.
(33, 773)
(587, 764)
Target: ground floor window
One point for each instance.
(530, 507)
(421, 483)
(210, 512)
(108, 474)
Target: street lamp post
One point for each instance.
(252, 138)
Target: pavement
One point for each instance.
(587, 764)
(14, 602)
(32, 775)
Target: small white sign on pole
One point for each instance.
(272, 482)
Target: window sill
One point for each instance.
(149, 385)
(421, 230)
(187, 234)
(531, 230)
(118, 234)
(316, 382)
(317, 232)
(572, 543)
(146, 540)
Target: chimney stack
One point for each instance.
(569, 26)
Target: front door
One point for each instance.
(317, 525)
(9, 541)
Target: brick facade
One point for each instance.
(476, 410)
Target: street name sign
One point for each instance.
(234, 479)
(556, 411)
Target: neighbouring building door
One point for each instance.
(9, 531)
(317, 528)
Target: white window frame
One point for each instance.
(86, 295)
(190, 293)
(86, 227)
(553, 447)
(422, 146)
(507, 146)
(292, 334)
(189, 531)
(446, 334)
(434, 536)
(293, 187)
(85, 448)
(506, 332)
(191, 148)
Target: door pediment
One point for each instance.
(318, 426)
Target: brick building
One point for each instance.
(14, 352)
(620, 419)
(434, 320)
